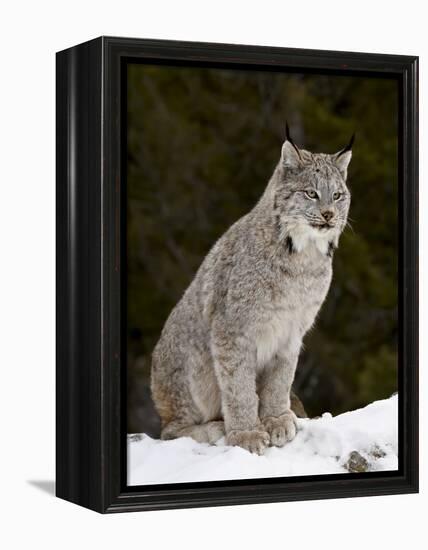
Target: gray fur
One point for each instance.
(227, 355)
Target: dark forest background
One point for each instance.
(202, 145)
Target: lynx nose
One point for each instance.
(327, 215)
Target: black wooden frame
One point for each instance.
(90, 458)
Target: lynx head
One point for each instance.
(311, 198)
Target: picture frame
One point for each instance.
(91, 397)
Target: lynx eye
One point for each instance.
(311, 194)
(336, 195)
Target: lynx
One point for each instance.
(227, 355)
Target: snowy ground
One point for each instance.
(361, 440)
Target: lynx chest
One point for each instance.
(290, 311)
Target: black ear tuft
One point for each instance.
(288, 138)
(287, 132)
(348, 147)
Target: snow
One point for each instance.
(322, 446)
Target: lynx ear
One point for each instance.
(343, 157)
(290, 154)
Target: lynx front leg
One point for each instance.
(274, 393)
(236, 375)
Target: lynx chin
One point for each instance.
(226, 358)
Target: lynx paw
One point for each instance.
(281, 429)
(254, 441)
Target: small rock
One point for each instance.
(377, 452)
(356, 463)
